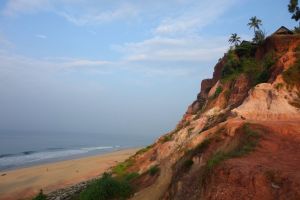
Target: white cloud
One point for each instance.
(119, 13)
(77, 12)
(174, 43)
(196, 17)
(41, 36)
(188, 49)
(16, 63)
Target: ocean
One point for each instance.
(23, 149)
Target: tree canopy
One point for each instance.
(234, 39)
(255, 23)
(294, 9)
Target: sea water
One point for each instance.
(21, 149)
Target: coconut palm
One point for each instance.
(234, 39)
(255, 23)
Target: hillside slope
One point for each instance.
(240, 139)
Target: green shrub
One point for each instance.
(107, 188)
(40, 196)
(278, 86)
(238, 63)
(120, 169)
(231, 66)
(217, 92)
(292, 75)
(153, 170)
(216, 159)
(188, 164)
(167, 138)
(187, 123)
(202, 146)
(248, 144)
(141, 151)
(131, 176)
(246, 49)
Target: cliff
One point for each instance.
(240, 139)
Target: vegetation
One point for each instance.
(141, 151)
(200, 147)
(153, 170)
(296, 101)
(231, 66)
(188, 164)
(167, 138)
(292, 74)
(245, 49)
(215, 160)
(278, 86)
(248, 144)
(254, 23)
(257, 71)
(294, 9)
(131, 176)
(40, 196)
(234, 39)
(259, 37)
(107, 187)
(217, 92)
(120, 169)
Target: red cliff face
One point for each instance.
(240, 139)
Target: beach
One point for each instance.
(26, 182)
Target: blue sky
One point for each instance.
(129, 67)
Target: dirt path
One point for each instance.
(156, 190)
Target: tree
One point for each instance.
(255, 23)
(294, 9)
(234, 39)
(259, 37)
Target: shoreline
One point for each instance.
(26, 182)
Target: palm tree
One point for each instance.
(234, 39)
(254, 23)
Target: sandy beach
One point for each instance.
(24, 183)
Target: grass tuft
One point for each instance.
(40, 196)
(120, 169)
(153, 170)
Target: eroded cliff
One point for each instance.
(240, 139)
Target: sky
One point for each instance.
(115, 67)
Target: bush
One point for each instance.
(141, 151)
(292, 75)
(188, 164)
(259, 37)
(217, 92)
(153, 170)
(216, 159)
(231, 67)
(167, 138)
(120, 169)
(40, 196)
(107, 188)
(246, 49)
(131, 176)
